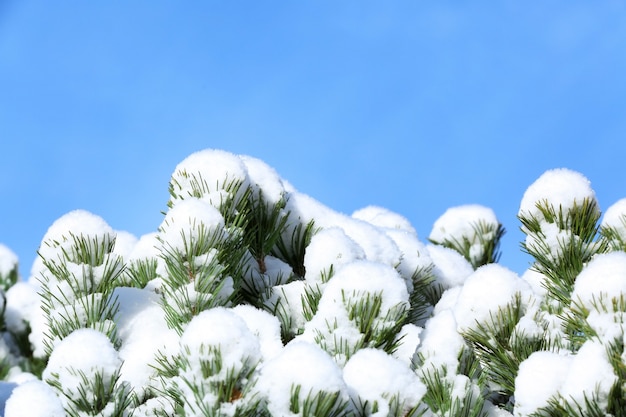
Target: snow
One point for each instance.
(475, 305)
(188, 221)
(373, 240)
(34, 399)
(264, 326)
(22, 305)
(414, 255)
(77, 223)
(561, 187)
(287, 298)
(124, 243)
(8, 260)
(615, 218)
(350, 285)
(409, 338)
(209, 174)
(603, 278)
(462, 223)
(451, 268)
(329, 248)
(536, 281)
(377, 377)
(146, 247)
(225, 331)
(83, 352)
(589, 372)
(540, 377)
(384, 218)
(264, 178)
(373, 253)
(142, 328)
(441, 344)
(317, 372)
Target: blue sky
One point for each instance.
(411, 105)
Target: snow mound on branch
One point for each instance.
(264, 178)
(186, 220)
(84, 352)
(414, 255)
(77, 223)
(264, 326)
(8, 260)
(22, 306)
(124, 243)
(143, 330)
(384, 218)
(34, 399)
(603, 278)
(459, 223)
(590, 372)
(329, 247)
(316, 372)
(377, 377)
(476, 305)
(209, 174)
(561, 187)
(223, 330)
(441, 343)
(540, 377)
(615, 216)
(451, 268)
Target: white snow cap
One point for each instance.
(329, 247)
(84, 350)
(221, 328)
(414, 255)
(124, 243)
(22, 306)
(352, 284)
(590, 370)
(604, 277)
(264, 178)
(8, 260)
(316, 372)
(615, 216)
(75, 223)
(488, 289)
(264, 326)
(441, 343)
(458, 223)
(184, 221)
(215, 170)
(385, 218)
(451, 268)
(560, 187)
(377, 377)
(143, 330)
(34, 399)
(540, 377)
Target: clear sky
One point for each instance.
(416, 106)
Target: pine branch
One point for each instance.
(292, 249)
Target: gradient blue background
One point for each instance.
(411, 105)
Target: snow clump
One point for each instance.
(470, 225)
(317, 374)
(383, 382)
(563, 188)
(83, 354)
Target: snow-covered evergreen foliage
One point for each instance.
(253, 299)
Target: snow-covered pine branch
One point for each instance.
(252, 298)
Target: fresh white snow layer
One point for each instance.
(562, 188)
